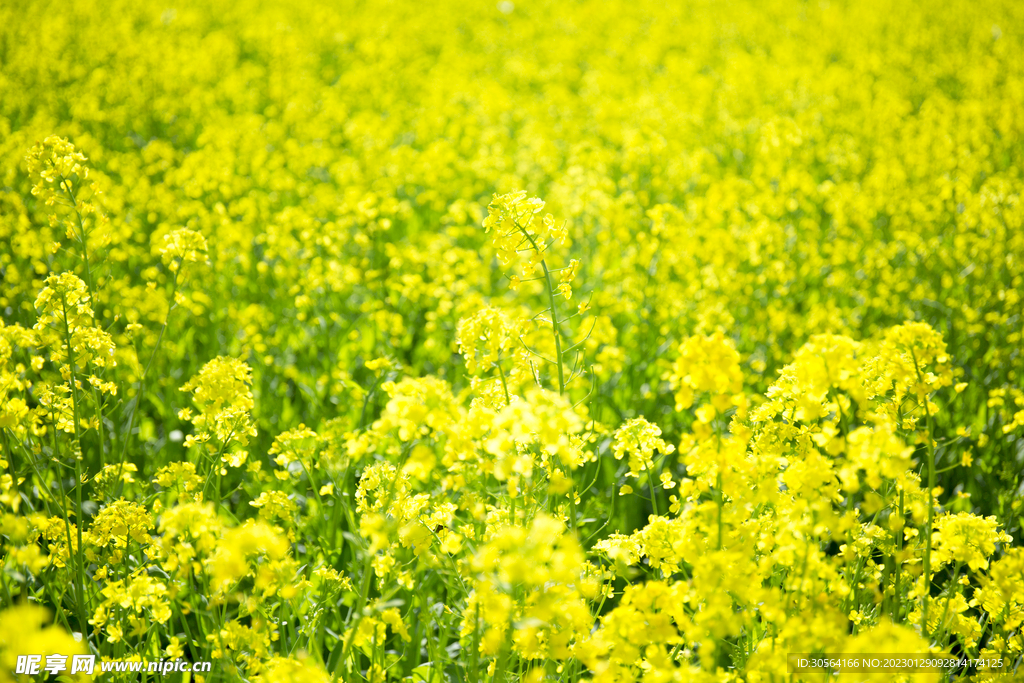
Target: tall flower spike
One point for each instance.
(183, 246)
(51, 162)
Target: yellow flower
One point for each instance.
(183, 246)
(174, 650)
(706, 364)
(639, 439)
(378, 363)
(26, 629)
(293, 670)
(966, 538)
(222, 394)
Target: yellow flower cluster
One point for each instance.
(222, 395)
(26, 629)
(529, 593)
(512, 342)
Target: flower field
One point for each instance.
(517, 342)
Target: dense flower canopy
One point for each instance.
(515, 342)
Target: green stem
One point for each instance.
(897, 596)
(364, 591)
(941, 633)
(100, 428)
(654, 494)
(504, 384)
(78, 455)
(141, 390)
(554, 316)
(721, 503)
(554, 328)
(931, 506)
(81, 235)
